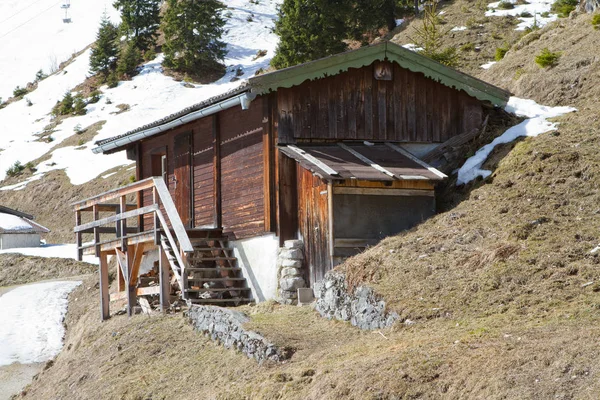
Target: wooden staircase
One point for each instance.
(212, 275)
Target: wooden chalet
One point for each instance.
(329, 152)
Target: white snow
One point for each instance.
(31, 330)
(13, 223)
(412, 47)
(33, 36)
(535, 125)
(150, 95)
(488, 65)
(51, 250)
(535, 8)
(458, 29)
(595, 250)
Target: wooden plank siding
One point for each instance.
(354, 105)
(238, 163)
(242, 170)
(313, 223)
(202, 161)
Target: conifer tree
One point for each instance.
(129, 59)
(193, 30)
(140, 20)
(310, 29)
(105, 50)
(367, 16)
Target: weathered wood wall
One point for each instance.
(227, 183)
(204, 173)
(313, 223)
(354, 105)
(242, 170)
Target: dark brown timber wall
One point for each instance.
(354, 105)
(242, 170)
(213, 164)
(313, 223)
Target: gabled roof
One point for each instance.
(7, 210)
(364, 56)
(10, 223)
(293, 76)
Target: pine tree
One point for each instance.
(368, 16)
(140, 20)
(310, 29)
(129, 60)
(105, 50)
(193, 29)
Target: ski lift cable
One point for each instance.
(30, 19)
(20, 11)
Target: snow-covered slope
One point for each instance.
(31, 330)
(150, 96)
(33, 36)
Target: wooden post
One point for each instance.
(104, 296)
(78, 236)
(131, 285)
(123, 207)
(163, 275)
(96, 231)
(156, 219)
(120, 275)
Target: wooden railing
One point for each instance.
(125, 234)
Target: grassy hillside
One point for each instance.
(501, 289)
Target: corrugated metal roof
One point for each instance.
(371, 162)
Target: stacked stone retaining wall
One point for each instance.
(362, 308)
(226, 326)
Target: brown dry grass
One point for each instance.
(498, 285)
(16, 269)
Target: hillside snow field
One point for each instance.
(148, 97)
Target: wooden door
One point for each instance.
(182, 189)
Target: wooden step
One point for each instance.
(229, 289)
(221, 279)
(237, 300)
(212, 249)
(215, 269)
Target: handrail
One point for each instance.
(162, 196)
(114, 193)
(173, 215)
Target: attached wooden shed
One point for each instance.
(330, 152)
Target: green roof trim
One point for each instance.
(364, 56)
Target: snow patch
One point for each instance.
(412, 47)
(31, 330)
(458, 29)
(595, 250)
(488, 65)
(535, 125)
(529, 14)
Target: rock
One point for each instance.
(293, 244)
(363, 308)
(291, 284)
(226, 326)
(291, 254)
(286, 272)
(291, 264)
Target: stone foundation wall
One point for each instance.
(363, 308)
(289, 265)
(226, 326)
